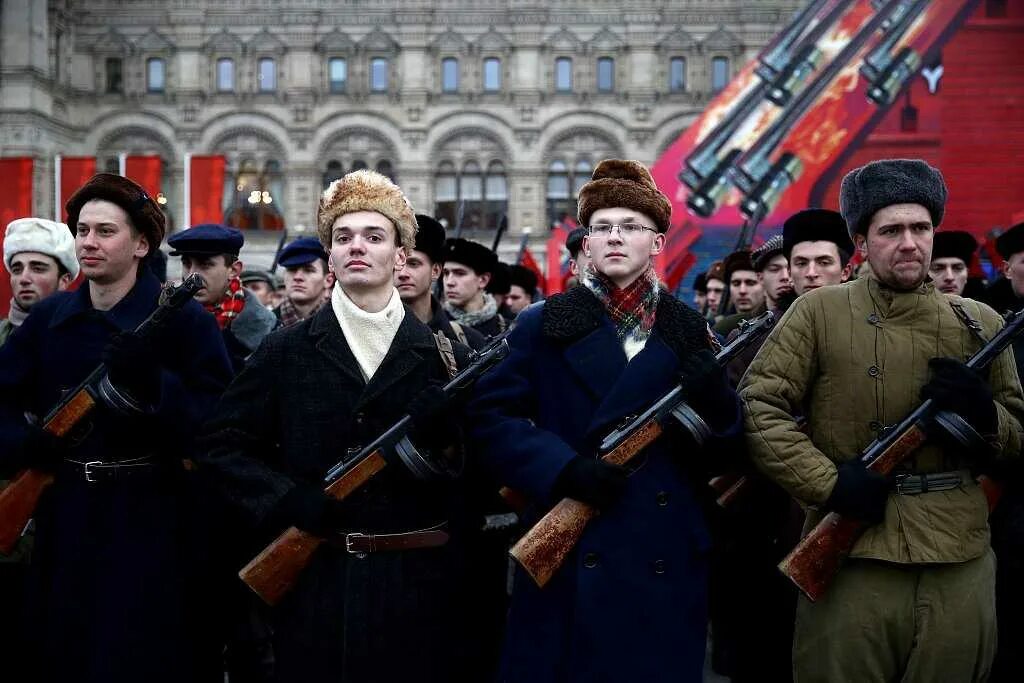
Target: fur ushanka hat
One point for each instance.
(625, 183)
(872, 187)
(365, 190)
(142, 209)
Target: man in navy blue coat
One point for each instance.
(629, 604)
(114, 594)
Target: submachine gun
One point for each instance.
(815, 561)
(545, 546)
(273, 572)
(18, 501)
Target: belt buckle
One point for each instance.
(87, 469)
(900, 478)
(348, 544)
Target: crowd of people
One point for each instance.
(212, 433)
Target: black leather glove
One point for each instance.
(134, 366)
(434, 417)
(963, 390)
(42, 450)
(707, 389)
(591, 481)
(859, 492)
(309, 509)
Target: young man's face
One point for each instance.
(949, 274)
(700, 300)
(517, 299)
(462, 284)
(34, 277)
(716, 288)
(775, 279)
(364, 251)
(217, 271)
(263, 292)
(108, 246)
(305, 284)
(1013, 267)
(898, 245)
(816, 263)
(621, 256)
(745, 291)
(415, 278)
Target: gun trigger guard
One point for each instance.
(692, 422)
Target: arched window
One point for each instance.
(384, 167)
(446, 194)
(580, 176)
(358, 164)
(334, 172)
(558, 190)
(495, 194)
(256, 203)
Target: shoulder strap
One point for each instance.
(444, 347)
(972, 325)
(460, 333)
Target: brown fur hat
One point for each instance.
(625, 183)
(144, 212)
(365, 190)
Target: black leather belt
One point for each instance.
(95, 471)
(914, 484)
(360, 543)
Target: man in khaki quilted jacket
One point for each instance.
(915, 602)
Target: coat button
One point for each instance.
(658, 566)
(874, 371)
(874, 319)
(875, 426)
(360, 418)
(662, 498)
(590, 560)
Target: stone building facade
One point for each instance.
(478, 108)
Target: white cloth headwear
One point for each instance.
(42, 236)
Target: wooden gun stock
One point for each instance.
(545, 546)
(19, 499)
(273, 572)
(816, 559)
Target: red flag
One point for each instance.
(146, 171)
(15, 202)
(555, 246)
(206, 198)
(527, 260)
(74, 172)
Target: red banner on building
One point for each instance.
(74, 172)
(147, 171)
(15, 202)
(206, 190)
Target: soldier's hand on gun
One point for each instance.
(859, 493)
(134, 365)
(308, 508)
(964, 391)
(707, 389)
(42, 450)
(434, 417)
(591, 481)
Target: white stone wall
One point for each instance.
(53, 97)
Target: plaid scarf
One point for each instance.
(228, 308)
(290, 314)
(631, 309)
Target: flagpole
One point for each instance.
(186, 211)
(122, 163)
(56, 189)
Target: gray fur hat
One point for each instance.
(882, 183)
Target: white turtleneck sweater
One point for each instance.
(369, 335)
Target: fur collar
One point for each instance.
(572, 315)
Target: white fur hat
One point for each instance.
(42, 236)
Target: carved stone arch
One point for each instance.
(678, 39)
(358, 143)
(154, 41)
(606, 40)
(255, 160)
(492, 41)
(722, 40)
(135, 140)
(450, 42)
(247, 140)
(336, 41)
(378, 40)
(112, 43)
(563, 40)
(582, 142)
(266, 42)
(224, 42)
(467, 143)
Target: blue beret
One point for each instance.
(302, 251)
(208, 238)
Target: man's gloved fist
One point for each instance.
(42, 450)
(859, 492)
(963, 390)
(134, 366)
(434, 421)
(707, 389)
(591, 481)
(308, 508)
